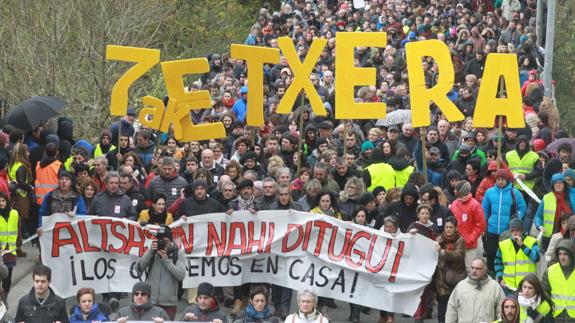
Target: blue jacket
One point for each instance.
(497, 204)
(94, 315)
(240, 109)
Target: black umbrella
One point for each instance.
(32, 112)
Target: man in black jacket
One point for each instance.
(404, 210)
(199, 202)
(41, 304)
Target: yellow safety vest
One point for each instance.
(401, 176)
(542, 309)
(381, 174)
(549, 208)
(12, 178)
(516, 265)
(9, 231)
(522, 165)
(98, 151)
(562, 291)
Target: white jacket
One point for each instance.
(302, 318)
(467, 304)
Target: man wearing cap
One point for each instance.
(63, 199)
(559, 282)
(324, 130)
(474, 151)
(393, 137)
(199, 202)
(470, 221)
(206, 308)
(246, 199)
(501, 204)
(432, 141)
(165, 266)
(435, 169)
(516, 257)
(126, 123)
(463, 156)
(555, 203)
(142, 308)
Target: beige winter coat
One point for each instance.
(467, 304)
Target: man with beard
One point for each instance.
(245, 200)
(432, 141)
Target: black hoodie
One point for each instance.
(403, 213)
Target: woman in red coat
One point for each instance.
(471, 219)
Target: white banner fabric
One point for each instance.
(293, 249)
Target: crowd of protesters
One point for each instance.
(485, 210)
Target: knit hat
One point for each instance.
(206, 289)
(142, 287)
(365, 198)
(463, 188)
(502, 173)
(378, 190)
(65, 174)
(516, 224)
(367, 145)
(569, 173)
(200, 182)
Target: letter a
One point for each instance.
(488, 105)
(420, 95)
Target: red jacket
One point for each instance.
(470, 219)
(4, 183)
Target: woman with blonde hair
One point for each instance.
(20, 176)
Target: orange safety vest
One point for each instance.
(46, 180)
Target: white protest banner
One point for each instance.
(294, 249)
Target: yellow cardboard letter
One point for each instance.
(154, 109)
(144, 58)
(420, 96)
(180, 102)
(255, 58)
(488, 105)
(301, 74)
(348, 76)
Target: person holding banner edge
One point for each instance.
(142, 308)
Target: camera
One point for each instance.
(163, 232)
(161, 244)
